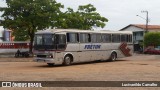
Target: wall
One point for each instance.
(1, 33)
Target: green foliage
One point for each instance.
(30, 16)
(85, 17)
(152, 39)
(25, 17)
(20, 35)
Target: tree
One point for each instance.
(30, 16)
(152, 39)
(85, 17)
(20, 35)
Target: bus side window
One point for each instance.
(106, 38)
(93, 38)
(124, 38)
(99, 38)
(72, 37)
(96, 38)
(85, 38)
(115, 38)
(130, 38)
(61, 41)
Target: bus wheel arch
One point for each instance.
(113, 56)
(68, 59)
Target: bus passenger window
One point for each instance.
(93, 38)
(61, 41)
(130, 38)
(106, 38)
(72, 37)
(96, 38)
(123, 38)
(85, 38)
(116, 38)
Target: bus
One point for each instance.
(67, 46)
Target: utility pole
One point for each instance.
(146, 20)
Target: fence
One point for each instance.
(14, 45)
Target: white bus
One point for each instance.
(57, 46)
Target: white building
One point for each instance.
(5, 34)
(138, 33)
(1, 33)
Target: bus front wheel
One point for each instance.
(67, 60)
(113, 56)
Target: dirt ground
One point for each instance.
(135, 68)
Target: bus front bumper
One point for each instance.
(45, 60)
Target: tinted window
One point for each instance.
(130, 38)
(72, 37)
(45, 41)
(96, 38)
(124, 38)
(116, 38)
(61, 41)
(106, 37)
(85, 38)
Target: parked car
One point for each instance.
(152, 51)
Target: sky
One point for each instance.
(120, 13)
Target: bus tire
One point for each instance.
(50, 64)
(67, 60)
(113, 57)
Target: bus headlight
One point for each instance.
(49, 56)
(34, 55)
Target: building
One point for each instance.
(138, 33)
(5, 34)
(1, 33)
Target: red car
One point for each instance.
(152, 51)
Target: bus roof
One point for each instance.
(81, 31)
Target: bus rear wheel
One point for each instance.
(113, 57)
(67, 60)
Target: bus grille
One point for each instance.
(42, 56)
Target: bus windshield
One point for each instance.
(44, 41)
(49, 42)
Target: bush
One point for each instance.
(152, 39)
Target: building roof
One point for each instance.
(142, 26)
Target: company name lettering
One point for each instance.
(92, 47)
